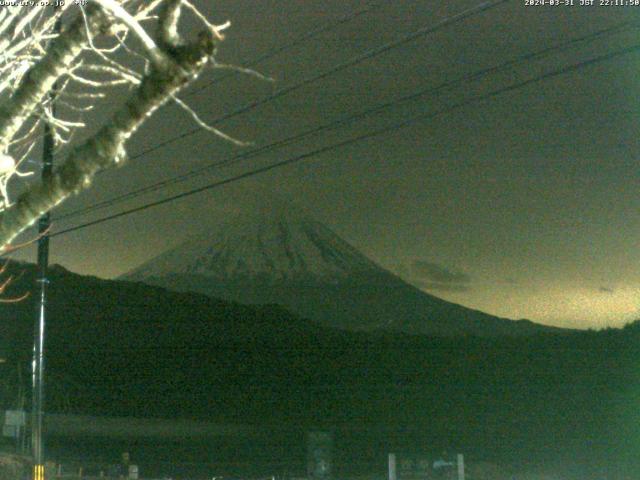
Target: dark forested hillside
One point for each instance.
(120, 348)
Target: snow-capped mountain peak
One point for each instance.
(270, 249)
(298, 263)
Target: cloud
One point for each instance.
(437, 273)
(432, 276)
(445, 287)
(605, 290)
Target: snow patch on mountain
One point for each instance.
(270, 250)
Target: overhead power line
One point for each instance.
(375, 133)
(509, 64)
(353, 61)
(309, 35)
(374, 52)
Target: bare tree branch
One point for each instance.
(181, 64)
(30, 68)
(40, 79)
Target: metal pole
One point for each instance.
(392, 467)
(37, 413)
(38, 350)
(460, 462)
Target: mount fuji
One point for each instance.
(301, 264)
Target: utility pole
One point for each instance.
(37, 413)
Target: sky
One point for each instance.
(522, 205)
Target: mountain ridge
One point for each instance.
(304, 266)
(130, 349)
